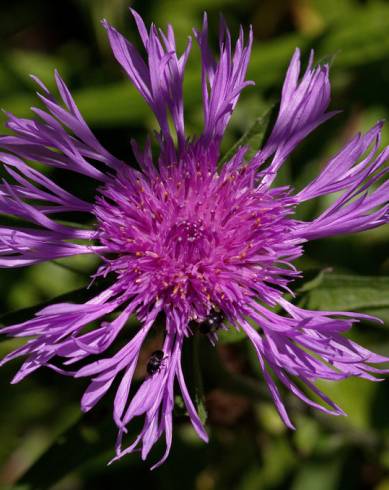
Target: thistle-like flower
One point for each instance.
(204, 248)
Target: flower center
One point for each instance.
(196, 242)
(187, 240)
(188, 231)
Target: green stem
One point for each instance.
(198, 379)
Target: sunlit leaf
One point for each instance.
(349, 292)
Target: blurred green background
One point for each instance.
(44, 441)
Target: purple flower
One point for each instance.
(207, 249)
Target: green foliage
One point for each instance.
(348, 292)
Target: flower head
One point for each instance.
(204, 248)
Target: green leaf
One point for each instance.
(253, 137)
(345, 292)
(315, 279)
